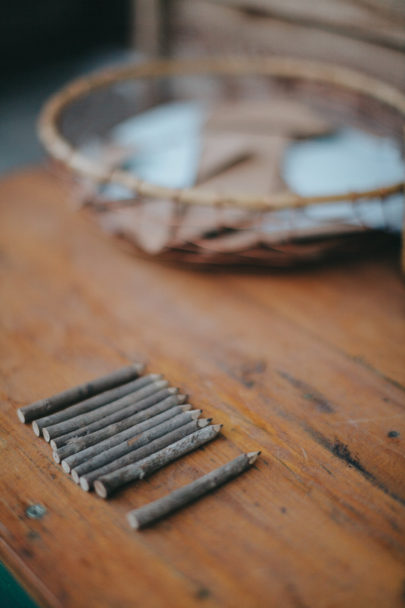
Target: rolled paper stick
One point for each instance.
(94, 402)
(87, 480)
(83, 462)
(152, 512)
(74, 449)
(78, 422)
(61, 400)
(75, 436)
(107, 484)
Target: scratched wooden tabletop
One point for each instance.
(308, 366)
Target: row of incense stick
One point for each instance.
(118, 428)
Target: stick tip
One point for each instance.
(195, 414)
(46, 435)
(100, 489)
(156, 376)
(75, 476)
(53, 445)
(172, 390)
(252, 456)
(132, 520)
(217, 427)
(36, 429)
(204, 422)
(181, 398)
(139, 367)
(56, 457)
(186, 407)
(84, 484)
(21, 415)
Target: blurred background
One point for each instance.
(46, 43)
(43, 45)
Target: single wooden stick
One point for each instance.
(107, 484)
(75, 436)
(90, 404)
(86, 481)
(83, 462)
(148, 514)
(83, 420)
(70, 449)
(78, 393)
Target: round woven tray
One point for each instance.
(327, 80)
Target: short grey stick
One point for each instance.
(152, 512)
(87, 480)
(78, 393)
(107, 484)
(71, 449)
(75, 436)
(112, 429)
(90, 404)
(83, 463)
(83, 420)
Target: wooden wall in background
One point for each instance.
(364, 34)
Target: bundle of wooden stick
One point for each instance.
(120, 428)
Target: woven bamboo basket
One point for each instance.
(93, 105)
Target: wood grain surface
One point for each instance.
(308, 366)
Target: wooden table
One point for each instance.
(307, 365)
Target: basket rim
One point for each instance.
(63, 151)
